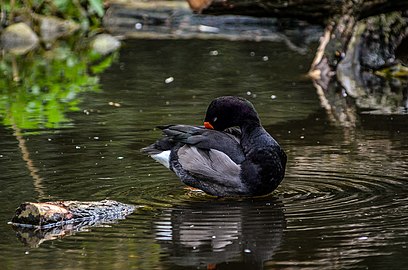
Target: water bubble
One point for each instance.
(214, 53)
(169, 80)
(138, 26)
(247, 250)
(208, 29)
(252, 53)
(115, 104)
(120, 157)
(265, 58)
(273, 97)
(248, 93)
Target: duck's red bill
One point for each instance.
(208, 125)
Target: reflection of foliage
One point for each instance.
(50, 84)
(87, 12)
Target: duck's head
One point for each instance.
(229, 111)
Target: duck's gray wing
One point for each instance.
(207, 139)
(202, 158)
(211, 170)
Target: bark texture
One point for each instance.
(52, 214)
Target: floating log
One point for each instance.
(35, 223)
(53, 214)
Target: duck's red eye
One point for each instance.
(208, 125)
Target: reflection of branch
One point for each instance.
(324, 102)
(338, 108)
(315, 71)
(14, 67)
(38, 181)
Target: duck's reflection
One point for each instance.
(219, 234)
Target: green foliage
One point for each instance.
(86, 12)
(50, 86)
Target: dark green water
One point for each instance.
(343, 203)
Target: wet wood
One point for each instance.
(314, 10)
(51, 214)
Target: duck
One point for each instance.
(231, 155)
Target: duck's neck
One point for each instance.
(249, 127)
(249, 133)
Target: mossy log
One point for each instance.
(53, 214)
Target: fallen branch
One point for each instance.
(54, 214)
(35, 223)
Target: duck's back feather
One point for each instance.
(205, 139)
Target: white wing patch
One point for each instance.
(163, 158)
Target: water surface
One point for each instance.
(342, 204)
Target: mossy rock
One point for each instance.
(19, 39)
